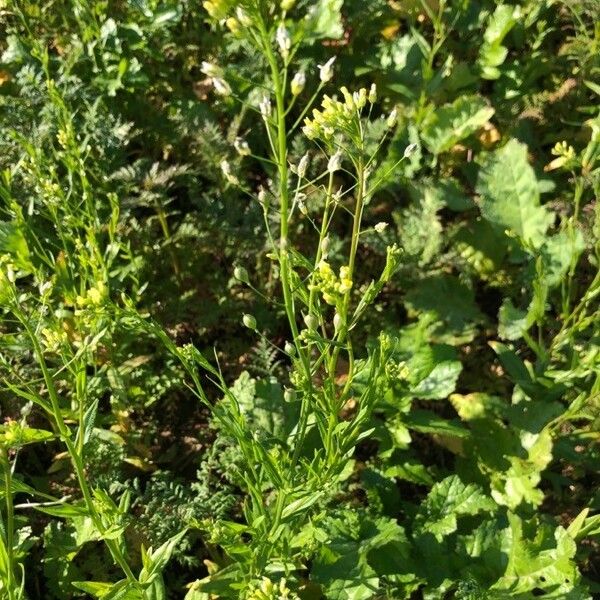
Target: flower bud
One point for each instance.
(392, 118)
(241, 274)
(410, 149)
(265, 107)
(290, 348)
(298, 83)
(287, 4)
(302, 166)
(221, 86)
(210, 69)
(282, 37)
(233, 25)
(290, 396)
(242, 147)
(249, 321)
(226, 170)
(311, 322)
(326, 70)
(325, 244)
(380, 227)
(242, 17)
(373, 94)
(335, 162)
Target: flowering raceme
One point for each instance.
(337, 117)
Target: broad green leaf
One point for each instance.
(543, 563)
(512, 322)
(262, 403)
(448, 500)
(510, 198)
(427, 421)
(559, 253)
(324, 20)
(476, 405)
(519, 483)
(358, 550)
(450, 302)
(451, 123)
(13, 242)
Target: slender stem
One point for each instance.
(76, 458)
(10, 523)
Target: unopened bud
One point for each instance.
(392, 118)
(335, 162)
(242, 147)
(325, 245)
(326, 70)
(221, 87)
(265, 107)
(283, 40)
(410, 149)
(243, 17)
(302, 166)
(373, 94)
(298, 83)
(210, 69)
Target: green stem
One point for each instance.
(76, 458)
(10, 524)
(284, 266)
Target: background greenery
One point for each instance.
(482, 468)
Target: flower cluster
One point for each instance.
(267, 590)
(332, 287)
(337, 116)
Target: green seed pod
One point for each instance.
(290, 349)
(290, 396)
(249, 321)
(241, 274)
(337, 322)
(311, 322)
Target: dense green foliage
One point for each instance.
(264, 336)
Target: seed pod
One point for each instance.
(290, 396)
(338, 322)
(311, 322)
(241, 274)
(325, 245)
(290, 349)
(249, 321)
